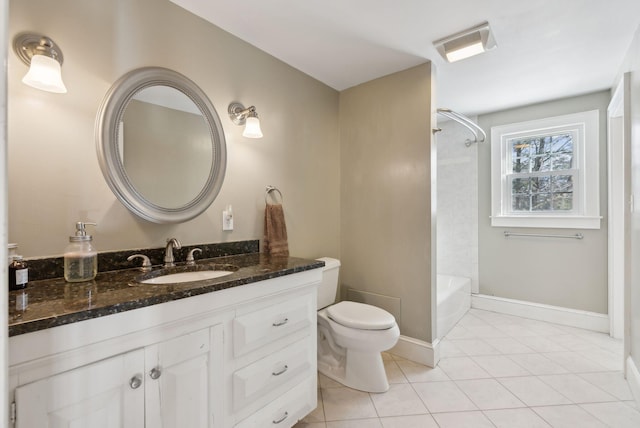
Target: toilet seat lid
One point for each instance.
(360, 316)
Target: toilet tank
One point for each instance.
(329, 285)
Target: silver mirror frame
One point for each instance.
(106, 134)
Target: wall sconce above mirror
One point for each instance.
(44, 58)
(248, 117)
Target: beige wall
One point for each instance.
(54, 176)
(386, 210)
(574, 272)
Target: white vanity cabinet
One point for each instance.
(243, 356)
(166, 385)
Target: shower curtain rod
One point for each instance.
(463, 120)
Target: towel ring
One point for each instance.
(270, 189)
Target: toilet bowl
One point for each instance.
(351, 337)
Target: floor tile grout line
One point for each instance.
(324, 414)
(507, 389)
(421, 399)
(588, 402)
(595, 416)
(489, 419)
(505, 356)
(375, 409)
(541, 416)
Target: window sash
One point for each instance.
(510, 195)
(572, 132)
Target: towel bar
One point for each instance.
(270, 189)
(537, 235)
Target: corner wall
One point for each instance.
(386, 209)
(568, 273)
(54, 176)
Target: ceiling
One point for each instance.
(547, 49)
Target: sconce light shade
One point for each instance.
(44, 59)
(248, 117)
(466, 43)
(45, 74)
(252, 128)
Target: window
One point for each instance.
(545, 173)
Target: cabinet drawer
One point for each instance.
(287, 409)
(256, 329)
(262, 378)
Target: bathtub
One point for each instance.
(454, 300)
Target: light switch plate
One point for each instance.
(227, 220)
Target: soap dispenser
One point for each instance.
(80, 258)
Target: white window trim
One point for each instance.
(586, 213)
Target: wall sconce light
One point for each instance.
(466, 43)
(44, 59)
(248, 117)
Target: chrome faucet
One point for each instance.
(168, 255)
(191, 260)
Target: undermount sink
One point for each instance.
(186, 277)
(183, 274)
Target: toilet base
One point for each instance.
(363, 371)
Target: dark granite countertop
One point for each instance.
(55, 302)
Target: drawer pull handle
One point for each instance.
(283, 322)
(155, 373)
(135, 382)
(284, 369)
(285, 416)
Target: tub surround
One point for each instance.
(454, 300)
(55, 302)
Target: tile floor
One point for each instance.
(495, 371)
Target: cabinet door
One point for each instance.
(178, 379)
(107, 394)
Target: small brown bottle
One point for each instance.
(18, 273)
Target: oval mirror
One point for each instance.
(160, 145)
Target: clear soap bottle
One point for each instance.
(80, 257)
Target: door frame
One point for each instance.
(4, 335)
(619, 215)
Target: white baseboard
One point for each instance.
(633, 379)
(418, 351)
(538, 311)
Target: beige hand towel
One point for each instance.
(275, 231)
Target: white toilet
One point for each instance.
(351, 337)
